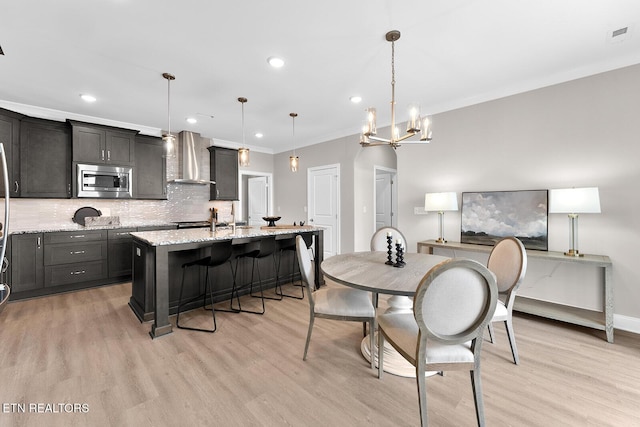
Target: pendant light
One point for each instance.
(168, 138)
(243, 152)
(293, 159)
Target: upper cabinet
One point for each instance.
(102, 144)
(10, 137)
(224, 171)
(150, 173)
(45, 159)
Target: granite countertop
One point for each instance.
(71, 226)
(194, 235)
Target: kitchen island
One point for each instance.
(159, 255)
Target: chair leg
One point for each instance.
(422, 392)
(490, 327)
(380, 353)
(250, 284)
(512, 340)
(301, 285)
(279, 297)
(372, 328)
(476, 385)
(306, 345)
(207, 287)
(233, 291)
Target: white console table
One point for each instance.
(601, 320)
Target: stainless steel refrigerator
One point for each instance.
(4, 231)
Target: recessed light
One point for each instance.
(355, 99)
(275, 62)
(192, 120)
(258, 135)
(88, 98)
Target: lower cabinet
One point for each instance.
(75, 257)
(27, 268)
(48, 263)
(120, 257)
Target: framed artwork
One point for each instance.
(491, 215)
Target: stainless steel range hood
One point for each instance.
(189, 160)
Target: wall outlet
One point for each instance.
(419, 210)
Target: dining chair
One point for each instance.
(452, 305)
(508, 261)
(335, 302)
(379, 238)
(379, 243)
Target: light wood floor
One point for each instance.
(87, 347)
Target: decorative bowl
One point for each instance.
(271, 220)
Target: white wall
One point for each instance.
(581, 133)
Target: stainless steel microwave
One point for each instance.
(111, 182)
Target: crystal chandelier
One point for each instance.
(415, 125)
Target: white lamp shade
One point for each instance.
(438, 202)
(574, 200)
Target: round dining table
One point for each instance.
(368, 271)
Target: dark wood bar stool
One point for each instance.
(267, 249)
(220, 254)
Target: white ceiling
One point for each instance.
(452, 53)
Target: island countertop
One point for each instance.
(196, 235)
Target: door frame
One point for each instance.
(310, 170)
(394, 194)
(241, 196)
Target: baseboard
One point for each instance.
(626, 323)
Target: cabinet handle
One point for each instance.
(69, 189)
(101, 154)
(78, 272)
(76, 252)
(17, 186)
(38, 242)
(79, 236)
(109, 155)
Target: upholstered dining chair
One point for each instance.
(335, 302)
(379, 238)
(508, 261)
(451, 308)
(379, 243)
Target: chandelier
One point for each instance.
(294, 160)
(168, 138)
(415, 125)
(243, 152)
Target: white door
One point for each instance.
(385, 197)
(383, 200)
(257, 205)
(323, 190)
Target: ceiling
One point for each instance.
(452, 53)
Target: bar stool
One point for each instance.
(290, 245)
(220, 254)
(267, 248)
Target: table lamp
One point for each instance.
(441, 202)
(574, 201)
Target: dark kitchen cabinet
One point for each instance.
(102, 144)
(27, 267)
(150, 172)
(10, 137)
(120, 257)
(72, 257)
(45, 159)
(224, 171)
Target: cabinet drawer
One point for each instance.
(74, 273)
(120, 233)
(78, 252)
(75, 236)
